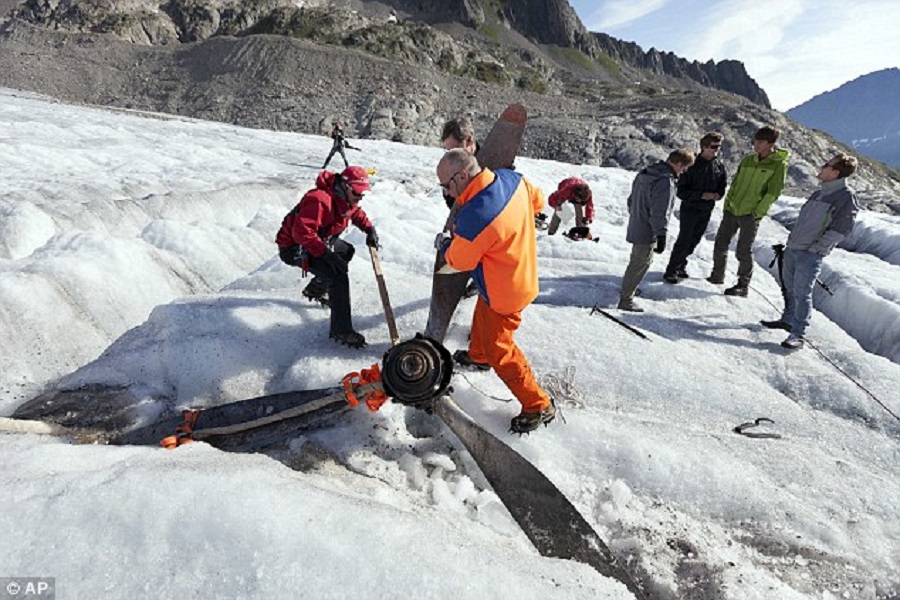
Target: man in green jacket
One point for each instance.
(756, 185)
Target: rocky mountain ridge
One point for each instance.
(548, 22)
(388, 74)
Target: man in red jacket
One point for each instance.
(308, 238)
(578, 192)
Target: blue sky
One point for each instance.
(794, 49)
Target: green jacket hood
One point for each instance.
(778, 155)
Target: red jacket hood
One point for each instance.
(325, 182)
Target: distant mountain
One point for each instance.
(397, 69)
(862, 113)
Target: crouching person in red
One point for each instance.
(493, 237)
(577, 192)
(308, 238)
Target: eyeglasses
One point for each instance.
(354, 193)
(715, 146)
(446, 186)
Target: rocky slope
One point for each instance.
(268, 63)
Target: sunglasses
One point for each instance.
(354, 193)
(715, 146)
(446, 186)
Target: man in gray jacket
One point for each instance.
(825, 219)
(649, 207)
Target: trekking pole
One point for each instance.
(385, 300)
(779, 258)
(824, 286)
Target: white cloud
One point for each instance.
(823, 48)
(737, 29)
(794, 52)
(616, 13)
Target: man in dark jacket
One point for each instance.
(649, 208)
(459, 133)
(825, 219)
(699, 187)
(308, 238)
(337, 134)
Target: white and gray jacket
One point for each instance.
(825, 219)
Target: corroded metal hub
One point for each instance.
(417, 371)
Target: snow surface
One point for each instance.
(138, 250)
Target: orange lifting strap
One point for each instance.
(352, 382)
(183, 433)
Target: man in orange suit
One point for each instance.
(493, 236)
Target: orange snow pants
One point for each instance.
(492, 342)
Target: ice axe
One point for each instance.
(385, 299)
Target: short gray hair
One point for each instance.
(459, 159)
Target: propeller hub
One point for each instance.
(417, 371)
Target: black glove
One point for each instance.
(579, 233)
(660, 244)
(338, 264)
(442, 241)
(372, 238)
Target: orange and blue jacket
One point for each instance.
(494, 238)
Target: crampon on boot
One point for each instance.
(317, 292)
(349, 338)
(528, 422)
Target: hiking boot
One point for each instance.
(715, 280)
(793, 342)
(737, 290)
(462, 358)
(317, 292)
(682, 274)
(350, 338)
(528, 422)
(779, 324)
(629, 305)
(671, 278)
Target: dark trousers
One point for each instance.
(336, 280)
(694, 218)
(336, 148)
